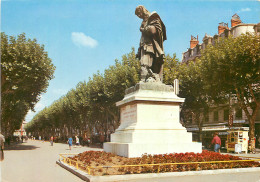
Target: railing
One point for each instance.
(89, 168)
(69, 161)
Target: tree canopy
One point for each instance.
(232, 67)
(26, 71)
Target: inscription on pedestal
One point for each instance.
(128, 115)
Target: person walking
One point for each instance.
(77, 140)
(70, 142)
(51, 140)
(217, 142)
(2, 140)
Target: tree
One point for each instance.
(192, 89)
(26, 71)
(232, 67)
(170, 69)
(90, 105)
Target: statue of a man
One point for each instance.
(150, 52)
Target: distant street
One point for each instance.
(35, 161)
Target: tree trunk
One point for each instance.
(251, 117)
(252, 135)
(251, 121)
(197, 119)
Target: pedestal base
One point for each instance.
(138, 149)
(150, 123)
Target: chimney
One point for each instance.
(257, 29)
(194, 41)
(235, 20)
(222, 27)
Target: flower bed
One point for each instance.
(96, 159)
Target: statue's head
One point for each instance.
(141, 12)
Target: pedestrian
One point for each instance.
(2, 140)
(70, 142)
(217, 142)
(77, 140)
(89, 141)
(51, 140)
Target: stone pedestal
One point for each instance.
(150, 123)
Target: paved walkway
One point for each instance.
(257, 154)
(35, 161)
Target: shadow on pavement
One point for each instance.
(20, 147)
(95, 146)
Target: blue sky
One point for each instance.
(84, 36)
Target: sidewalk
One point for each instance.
(257, 154)
(35, 161)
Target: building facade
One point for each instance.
(218, 119)
(237, 28)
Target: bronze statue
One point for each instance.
(150, 52)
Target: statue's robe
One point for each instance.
(151, 51)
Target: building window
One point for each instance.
(238, 113)
(215, 115)
(226, 114)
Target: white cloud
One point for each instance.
(244, 10)
(80, 39)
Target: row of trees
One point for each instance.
(229, 68)
(90, 105)
(26, 71)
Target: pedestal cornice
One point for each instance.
(150, 92)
